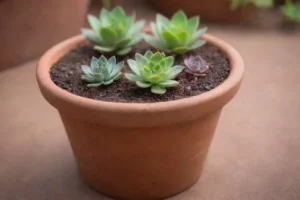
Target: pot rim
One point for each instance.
(47, 86)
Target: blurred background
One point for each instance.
(28, 28)
(255, 154)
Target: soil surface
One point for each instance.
(66, 74)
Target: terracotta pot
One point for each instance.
(29, 28)
(139, 150)
(209, 10)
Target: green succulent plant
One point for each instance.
(101, 71)
(114, 31)
(177, 35)
(153, 70)
(291, 11)
(235, 4)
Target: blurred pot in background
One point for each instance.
(30, 27)
(209, 10)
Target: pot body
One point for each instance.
(29, 28)
(139, 150)
(208, 10)
(141, 162)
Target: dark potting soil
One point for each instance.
(66, 73)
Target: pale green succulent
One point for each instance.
(177, 35)
(153, 70)
(114, 31)
(101, 71)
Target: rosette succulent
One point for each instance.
(291, 11)
(153, 70)
(196, 65)
(114, 31)
(101, 71)
(235, 4)
(177, 35)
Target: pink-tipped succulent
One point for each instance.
(196, 65)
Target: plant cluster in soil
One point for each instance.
(66, 73)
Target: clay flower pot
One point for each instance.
(29, 28)
(209, 10)
(139, 150)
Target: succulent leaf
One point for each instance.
(141, 60)
(111, 63)
(143, 84)
(169, 61)
(94, 63)
(158, 89)
(175, 71)
(117, 68)
(155, 42)
(104, 17)
(118, 12)
(123, 52)
(86, 69)
(129, 21)
(154, 29)
(94, 84)
(136, 28)
(132, 77)
(179, 18)
(193, 24)
(103, 49)
(135, 40)
(197, 44)
(94, 23)
(134, 66)
(197, 35)
(169, 83)
(108, 82)
(180, 50)
(162, 20)
(148, 54)
(96, 39)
